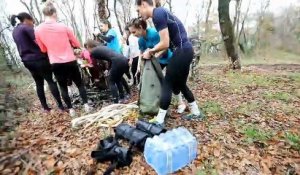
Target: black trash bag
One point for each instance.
(150, 128)
(110, 150)
(136, 137)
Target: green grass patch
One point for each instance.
(295, 77)
(239, 80)
(21, 80)
(255, 134)
(261, 57)
(282, 96)
(207, 168)
(211, 78)
(212, 107)
(249, 108)
(207, 172)
(293, 140)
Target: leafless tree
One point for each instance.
(67, 7)
(103, 10)
(236, 23)
(242, 31)
(169, 2)
(207, 16)
(32, 8)
(228, 34)
(84, 18)
(263, 8)
(117, 17)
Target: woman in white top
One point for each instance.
(132, 52)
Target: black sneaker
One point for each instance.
(191, 116)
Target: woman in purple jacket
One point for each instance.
(34, 60)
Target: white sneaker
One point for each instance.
(72, 112)
(181, 108)
(87, 108)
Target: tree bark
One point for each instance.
(73, 21)
(236, 23)
(30, 10)
(170, 6)
(38, 10)
(263, 9)
(117, 16)
(207, 16)
(85, 21)
(103, 11)
(228, 33)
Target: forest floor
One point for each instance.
(252, 126)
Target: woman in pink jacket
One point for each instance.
(58, 41)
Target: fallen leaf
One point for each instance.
(217, 152)
(7, 171)
(73, 152)
(50, 162)
(16, 171)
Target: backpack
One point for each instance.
(150, 87)
(109, 149)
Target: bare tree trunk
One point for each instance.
(228, 34)
(103, 11)
(243, 24)
(85, 21)
(117, 16)
(73, 20)
(126, 10)
(187, 12)
(170, 6)
(207, 17)
(8, 49)
(38, 10)
(238, 16)
(96, 19)
(263, 9)
(236, 21)
(63, 13)
(30, 10)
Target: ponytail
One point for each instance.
(138, 23)
(21, 17)
(157, 3)
(13, 20)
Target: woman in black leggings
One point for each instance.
(34, 60)
(118, 67)
(172, 35)
(58, 40)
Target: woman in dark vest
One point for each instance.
(34, 60)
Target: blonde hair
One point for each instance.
(49, 9)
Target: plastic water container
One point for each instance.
(170, 151)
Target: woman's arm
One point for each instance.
(139, 64)
(39, 42)
(74, 42)
(108, 38)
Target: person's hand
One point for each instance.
(147, 54)
(137, 72)
(96, 32)
(130, 61)
(106, 73)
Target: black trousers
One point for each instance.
(176, 77)
(116, 80)
(134, 67)
(40, 71)
(65, 72)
